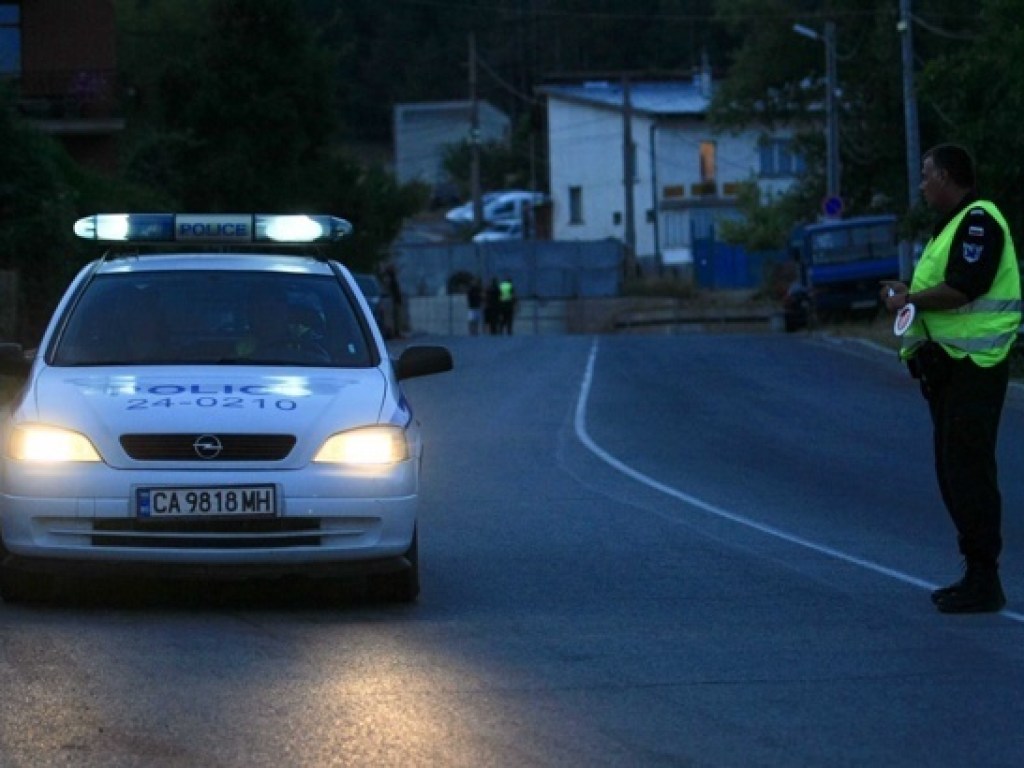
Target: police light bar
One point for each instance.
(211, 228)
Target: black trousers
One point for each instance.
(966, 407)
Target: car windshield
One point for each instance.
(213, 317)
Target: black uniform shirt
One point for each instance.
(976, 251)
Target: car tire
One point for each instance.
(23, 587)
(17, 586)
(399, 586)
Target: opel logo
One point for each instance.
(207, 446)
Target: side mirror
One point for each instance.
(423, 361)
(13, 360)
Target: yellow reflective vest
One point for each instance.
(984, 329)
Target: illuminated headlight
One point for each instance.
(49, 445)
(371, 446)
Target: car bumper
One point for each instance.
(327, 521)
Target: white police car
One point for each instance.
(227, 411)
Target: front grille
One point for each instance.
(182, 447)
(275, 533)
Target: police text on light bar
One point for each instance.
(211, 228)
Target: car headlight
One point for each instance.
(49, 445)
(367, 446)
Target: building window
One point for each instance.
(10, 39)
(707, 162)
(575, 205)
(778, 159)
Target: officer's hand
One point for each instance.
(893, 294)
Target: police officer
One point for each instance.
(506, 305)
(967, 297)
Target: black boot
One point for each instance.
(942, 592)
(979, 591)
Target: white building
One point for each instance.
(685, 176)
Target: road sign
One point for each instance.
(832, 206)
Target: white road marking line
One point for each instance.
(580, 424)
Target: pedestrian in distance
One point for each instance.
(394, 290)
(492, 307)
(506, 305)
(474, 306)
(964, 310)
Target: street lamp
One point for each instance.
(831, 114)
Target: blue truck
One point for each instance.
(839, 264)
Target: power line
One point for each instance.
(560, 15)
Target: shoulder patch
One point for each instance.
(972, 252)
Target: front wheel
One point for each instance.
(400, 586)
(21, 586)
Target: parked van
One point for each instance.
(503, 205)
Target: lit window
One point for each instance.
(707, 161)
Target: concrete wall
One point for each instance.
(446, 315)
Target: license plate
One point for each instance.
(208, 501)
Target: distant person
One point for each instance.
(506, 305)
(474, 305)
(397, 305)
(492, 307)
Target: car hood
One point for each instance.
(310, 405)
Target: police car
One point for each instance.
(227, 409)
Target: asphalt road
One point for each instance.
(696, 550)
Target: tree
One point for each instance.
(777, 78)
(764, 226)
(503, 165)
(244, 117)
(970, 90)
(973, 93)
(231, 121)
(36, 199)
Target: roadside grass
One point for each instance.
(878, 330)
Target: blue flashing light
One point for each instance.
(211, 228)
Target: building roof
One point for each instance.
(459, 110)
(659, 98)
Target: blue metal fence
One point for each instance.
(538, 268)
(719, 265)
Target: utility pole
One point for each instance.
(832, 84)
(474, 138)
(910, 121)
(628, 177)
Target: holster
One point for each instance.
(931, 364)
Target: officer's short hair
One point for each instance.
(956, 161)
